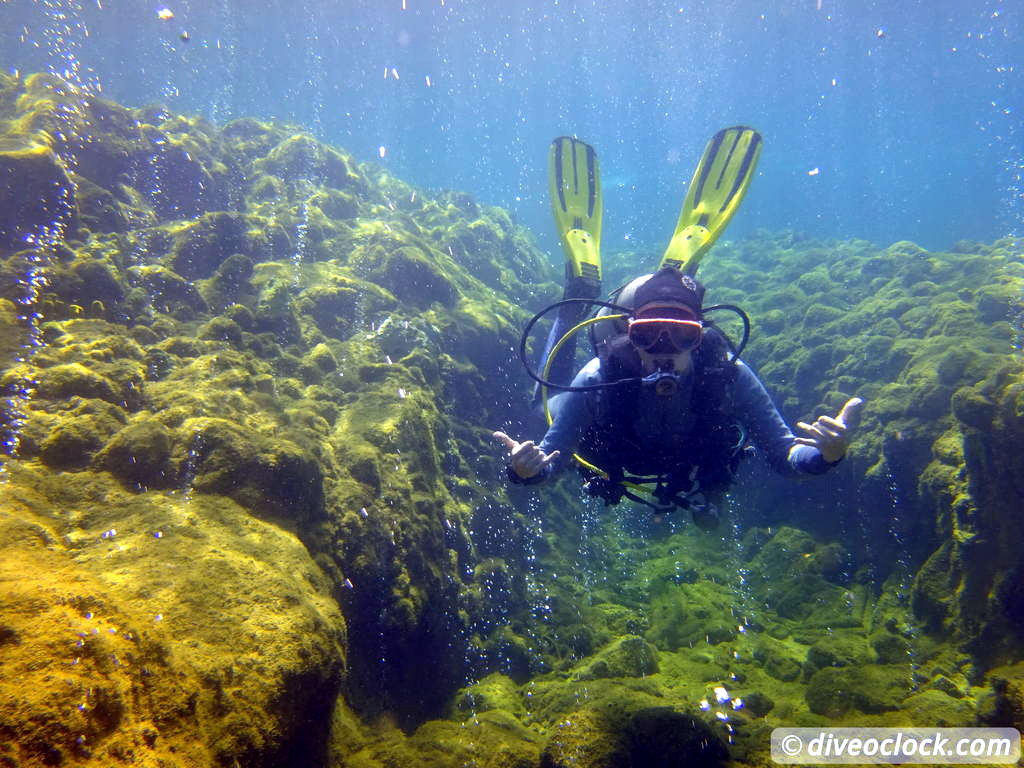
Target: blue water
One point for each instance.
(909, 110)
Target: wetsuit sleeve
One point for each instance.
(571, 414)
(769, 433)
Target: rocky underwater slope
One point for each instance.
(252, 515)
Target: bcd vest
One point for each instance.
(702, 455)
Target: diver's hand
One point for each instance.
(527, 459)
(832, 436)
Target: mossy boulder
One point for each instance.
(1003, 704)
(95, 596)
(230, 283)
(512, 654)
(201, 247)
(408, 272)
(662, 737)
(274, 477)
(74, 379)
(839, 650)
(1000, 301)
(140, 454)
(302, 157)
(671, 627)
(932, 590)
(973, 407)
(891, 647)
(36, 193)
(583, 739)
(493, 739)
(934, 708)
(336, 204)
(496, 691)
(322, 359)
(655, 736)
(168, 291)
(339, 302)
(88, 279)
(74, 440)
(181, 179)
(629, 656)
(868, 689)
(956, 688)
(781, 660)
(616, 618)
(758, 703)
(783, 554)
(12, 332)
(818, 315)
(222, 329)
(98, 209)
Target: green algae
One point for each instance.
(336, 400)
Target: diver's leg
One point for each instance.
(562, 370)
(574, 181)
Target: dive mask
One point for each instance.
(663, 335)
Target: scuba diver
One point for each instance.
(666, 410)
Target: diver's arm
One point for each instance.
(571, 415)
(769, 432)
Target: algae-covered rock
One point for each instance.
(102, 594)
(932, 590)
(670, 627)
(582, 739)
(168, 291)
(630, 656)
(657, 736)
(512, 654)
(496, 691)
(838, 691)
(99, 209)
(661, 737)
(230, 284)
(618, 619)
(201, 247)
(87, 280)
(59, 618)
(841, 650)
(780, 660)
(302, 157)
(36, 194)
(407, 272)
(758, 704)
(222, 329)
(74, 379)
(494, 739)
(934, 708)
(75, 438)
(890, 647)
(274, 477)
(1003, 704)
(322, 358)
(790, 571)
(140, 453)
(948, 686)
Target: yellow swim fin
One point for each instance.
(575, 182)
(715, 193)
